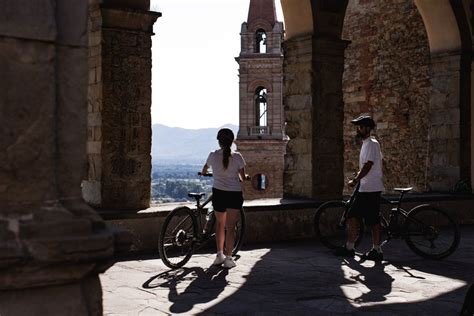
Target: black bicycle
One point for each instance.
(427, 230)
(186, 230)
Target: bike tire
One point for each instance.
(431, 232)
(326, 225)
(177, 237)
(239, 232)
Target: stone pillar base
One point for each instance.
(83, 297)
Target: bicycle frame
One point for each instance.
(198, 215)
(393, 211)
(199, 205)
(342, 221)
(425, 238)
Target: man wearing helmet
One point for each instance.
(367, 202)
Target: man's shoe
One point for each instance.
(344, 252)
(229, 263)
(373, 255)
(219, 260)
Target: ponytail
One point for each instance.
(225, 137)
(225, 156)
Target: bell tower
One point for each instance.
(261, 138)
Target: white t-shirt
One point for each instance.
(226, 179)
(370, 151)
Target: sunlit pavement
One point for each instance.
(297, 278)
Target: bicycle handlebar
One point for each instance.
(247, 177)
(205, 174)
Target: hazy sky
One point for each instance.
(194, 75)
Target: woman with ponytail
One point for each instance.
(227, 199)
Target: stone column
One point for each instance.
(444, 137)
(91, 185)
(472, 124)
(120, 125)
(314, 115)
(298, 105)
(52, 244)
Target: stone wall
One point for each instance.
(272, 220)
(263, 157)
(445, 121)
(387, 75)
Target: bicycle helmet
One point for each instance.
(364, 120)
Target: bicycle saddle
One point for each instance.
(197, 196)
(403, 189)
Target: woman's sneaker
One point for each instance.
(219, 260)
(229, 263)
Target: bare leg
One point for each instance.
(220, 230)
(232, 216)
(352, 229)
(376, 232)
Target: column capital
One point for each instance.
(128, 19)
(329, 46)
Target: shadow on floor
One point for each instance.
(210, 281)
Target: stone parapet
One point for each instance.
(272, 220)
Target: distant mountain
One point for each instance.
(175, 145)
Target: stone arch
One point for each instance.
(260, 24)
(253, 88)
(260, 82)
(313, 67)
(441, 25)
(298, 18)
(449, 33)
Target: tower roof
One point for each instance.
(262, 10)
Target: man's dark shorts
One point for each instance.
(223, 200)
(367, 206)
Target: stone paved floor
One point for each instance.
(294, 279)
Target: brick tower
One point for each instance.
(261, 138)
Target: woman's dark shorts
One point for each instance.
(222, 200)
(367, 206)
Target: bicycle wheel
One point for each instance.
(328, 227)
(431, 232)
(177, 237)
(239, 231)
